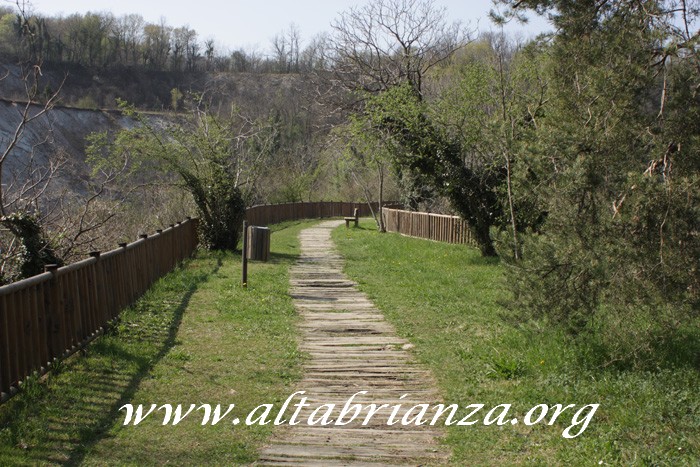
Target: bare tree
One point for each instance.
(209, 48)
(128, 34)
(315, 54)
(389, 42)
(286, 49)
(24, 245)
(41, 220)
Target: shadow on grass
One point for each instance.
(367, 227)
(72, 419)
(279, 258)
(478, 260)
(682, 349)
(677, 349)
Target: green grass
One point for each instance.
(446, 300)
(195, 337)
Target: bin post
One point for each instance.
(244, 255)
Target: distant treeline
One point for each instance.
(102, 40)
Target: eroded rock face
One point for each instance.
(253, 94)
(58, 134)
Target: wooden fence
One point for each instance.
(52, 315)
(438, 227)
(265, 214)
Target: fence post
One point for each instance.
(54, 315)
(100, 312)
(5, 351)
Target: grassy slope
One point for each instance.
(445, 299)
(196, 337)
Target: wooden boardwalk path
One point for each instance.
(352, 348)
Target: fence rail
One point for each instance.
(265, 214)
(50, 316)
(438, 227)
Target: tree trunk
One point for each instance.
(483, 239)
(516, 247)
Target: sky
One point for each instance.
(251, 24)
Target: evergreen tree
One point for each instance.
(617, 150)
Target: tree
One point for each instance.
(39, 224)
(28, 248)
(126, 34)
(434, 158)
(287, 50)
(390, 42)
(216, 161)
(617, 156)
(51, 211)
(389, 47)
(157, 44)
(368, 149)
(491, 99)
(209, 54)
(9, 32)
(315, 54)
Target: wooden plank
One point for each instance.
(355, 451)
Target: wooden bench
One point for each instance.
(355, 218)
